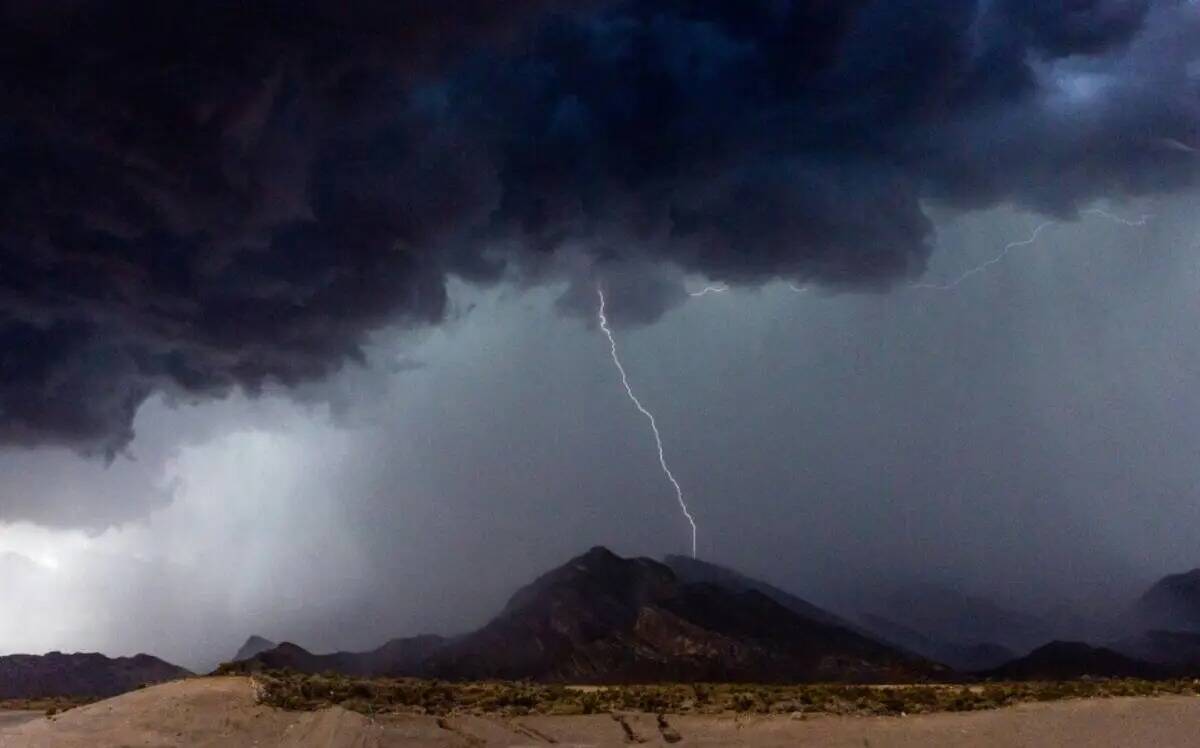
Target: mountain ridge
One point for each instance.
(254, 644)
(1063, 660)
(82, 674)
(1171, 603)
(601, 618)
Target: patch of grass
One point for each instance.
(299, 691)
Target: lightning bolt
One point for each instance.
(662, 460)
(980, 268)
(719, 288)
(1177, 145)
(951, 285)
(1140, 221)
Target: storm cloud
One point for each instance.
(203, 197)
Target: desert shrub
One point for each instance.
(743, 702)
(298, 691)
(964, 700)
(894, 704)
(589, 703)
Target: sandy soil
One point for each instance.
(13, 717)
(223, 712)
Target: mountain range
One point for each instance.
(600, 618)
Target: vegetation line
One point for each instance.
(297, 691)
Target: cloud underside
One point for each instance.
(199, 197)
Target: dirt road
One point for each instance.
(223, 712)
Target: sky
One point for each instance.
(298, 328)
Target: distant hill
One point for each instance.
(1173, 603)
(253, 646)
(965, 658)
(1177, 649)
(952, 617)
(1068, 660)
(398, 656)
(80, 674)
(601, 618)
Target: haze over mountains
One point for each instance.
(1173, 602)
(601, 618)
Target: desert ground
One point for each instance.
(225, 712)
(12, 718)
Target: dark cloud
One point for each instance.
(203, 196)
(1059, 28)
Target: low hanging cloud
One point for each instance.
(199, 197)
